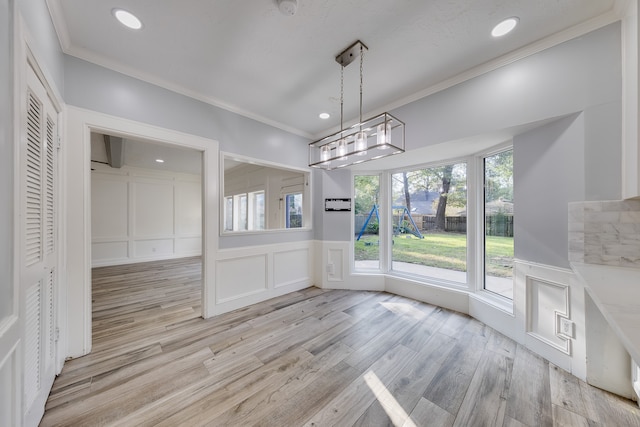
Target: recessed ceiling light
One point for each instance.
(159, 160)
(505, 27)
(324, 116)
(127, 19)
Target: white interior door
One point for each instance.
(38, 245)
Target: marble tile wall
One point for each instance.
(606, 232)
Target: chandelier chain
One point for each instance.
(341, 98)
(361, 67)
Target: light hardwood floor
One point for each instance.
(314, 357)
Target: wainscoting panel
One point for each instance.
(140, 215)
(547, 304)
(249, 275)
(544, 303)
(290, 267)
(335, 265)
(109, 250)
(109, 207)
(240, 277)
(153, 208)
(189, 245)
(151, 248)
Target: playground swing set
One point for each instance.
(397, 226)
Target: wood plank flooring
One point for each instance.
(310, 358)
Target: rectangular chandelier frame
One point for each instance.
(375, 138)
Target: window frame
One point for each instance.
(495, 298)
(382, 223)
(475, 226)
(425, 278)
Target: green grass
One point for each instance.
(441, 250)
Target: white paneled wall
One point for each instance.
(252, 274)
(143, 215)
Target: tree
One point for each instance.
(407, 194)
(407, 198)
(498, 171)
(367, 193)
(444, 193)
(449, 182)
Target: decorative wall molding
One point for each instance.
(543, 298)
(291, 267)
(335, 265)
(141, 215)
(547, 305)
(253, 274)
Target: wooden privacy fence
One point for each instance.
(495, 225)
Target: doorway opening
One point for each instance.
(147, 247)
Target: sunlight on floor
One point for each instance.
(404, 309)
(396, 414)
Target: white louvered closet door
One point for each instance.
(38, 245)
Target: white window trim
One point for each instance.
(475, 228)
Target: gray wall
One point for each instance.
(99, 89)
(123, 96)
(548, 174)
(570, 160)
(6, 158)
(44, 39)
(575, 158)
(565, 79)
(603, 152)
(332, 226)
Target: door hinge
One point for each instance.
(59, 143)
(57, 334)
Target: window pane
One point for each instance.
(294, 210)
(256, 210)
(366, 221)
(228, 213)
(240, 212)
(429, 222)
(498, 223)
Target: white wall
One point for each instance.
(10, 374)
(247, 276)
(142, 215)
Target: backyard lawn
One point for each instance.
(441, 250)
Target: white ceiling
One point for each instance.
(143, 154)
(248, 57)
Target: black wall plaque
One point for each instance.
(337, 205)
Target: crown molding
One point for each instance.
(100, 60)
(614, 14)
(59, 23)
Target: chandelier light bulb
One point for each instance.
(341, 149)
(384, 135)
(360, 144)
(325, 153)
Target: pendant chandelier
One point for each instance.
(374, 138)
